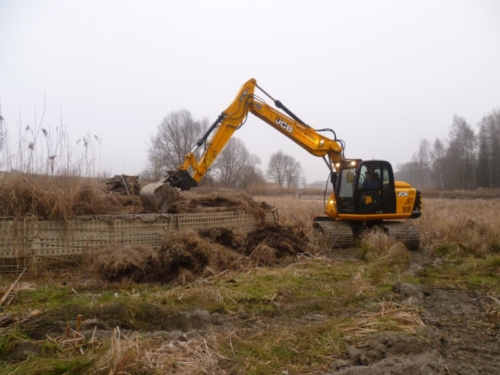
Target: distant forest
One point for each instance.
(465, 161)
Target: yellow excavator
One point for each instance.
(364, 195)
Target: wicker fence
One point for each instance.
(28, 239)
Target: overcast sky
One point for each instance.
(382, 74)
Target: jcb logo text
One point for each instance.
(284, 125)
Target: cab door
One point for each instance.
(374, 188)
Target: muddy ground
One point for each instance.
(461, 335)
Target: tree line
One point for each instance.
(467, 160)
(234, 167)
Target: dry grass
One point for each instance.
(383, 249)
(59, 198)
(453, 226)
(462, 194)
(460, 227)
(133, 354)
(295, 212)
(273, 190)
(384, 316)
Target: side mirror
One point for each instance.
(333, 178)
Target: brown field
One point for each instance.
(275, 301)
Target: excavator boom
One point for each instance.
(235, 116)
(161, 195)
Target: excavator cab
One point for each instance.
(365, 187)
(366, 195)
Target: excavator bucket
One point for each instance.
(159, 196)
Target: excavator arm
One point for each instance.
(221, 130)
(162, 195)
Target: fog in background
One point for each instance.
(381, 74)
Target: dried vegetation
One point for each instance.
(461, 227)
(60, 198)
(219, 301)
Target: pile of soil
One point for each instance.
(188, 254)
(191, 202)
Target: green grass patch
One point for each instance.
(465, 272)
(296, 318)
(444, 249)
(73, 365)
(294, 350)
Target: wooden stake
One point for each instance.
(78, 322)
(11, 287)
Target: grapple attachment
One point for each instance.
(161, 195)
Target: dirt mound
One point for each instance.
(391, 353)
(183, 257)
(188, 254)
(231, 238)
(117, 262)
(189, 202)
(284, 240)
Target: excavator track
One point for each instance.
(336, 233)
(405, 233)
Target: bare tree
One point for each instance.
(236, 167)
(251, 173)
(461, 154)
(283, 169)
(465, 161)
(155, 168)
(294, 173)
(438, 154)
(422, 164)
(406, 172)
(276, 168)
(176, 136)
(489, 150)
(4, 145)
